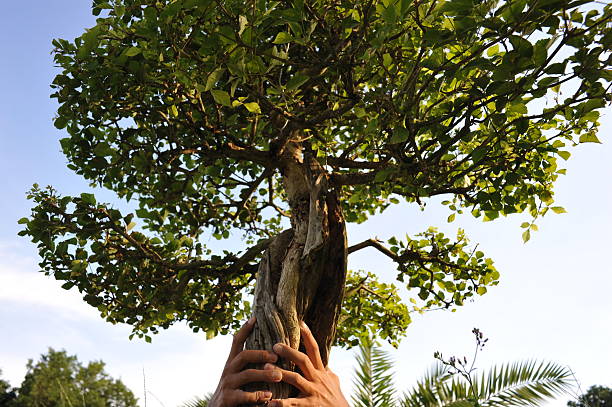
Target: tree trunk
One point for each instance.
(303, 272)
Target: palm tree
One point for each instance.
(198, 401)
(373, 377)
(526, 383)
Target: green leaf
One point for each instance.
(494, 50)
(283, 38)
(389, 14)
(103, 150)
(526, 236)
(60, 122)
(213, 78)
(221, 97)
(564, 154)
(296, 81)
(400, 134)
(521, 45)
(133, 51)
(556, 69)
(253, 107)
(589, 137)
(558, 209)
(88, 198)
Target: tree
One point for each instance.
(281, 121)
(596, 396)
(513, 384)
(7, 393)
(60, 380)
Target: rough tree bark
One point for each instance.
(303, 272)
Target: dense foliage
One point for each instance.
(7, 393)
(188, 107)
(59, 380)
(595, 396)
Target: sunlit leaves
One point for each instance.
(131, 278)
(184, 105)
(371, 308)
(283, 38)
(221, 97)
(443, 272)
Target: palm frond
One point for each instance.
(437, 389)
(373, 378)
(527, 383)
(513, 384)
(198, 401)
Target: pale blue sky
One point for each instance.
(553, 301)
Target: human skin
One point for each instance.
(228, 392)
(319, 386)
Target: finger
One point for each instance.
(312, 347)
(253, 376)
(288, 403)
(250, 356)
(297, 380)
(297, 357)
(240, 337)
(237, 397)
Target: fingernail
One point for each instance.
(267, 395)
(276, 375)
(251, 320)
(272, 357)
(278, 348)
(269, 366)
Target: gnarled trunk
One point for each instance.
(303, 272)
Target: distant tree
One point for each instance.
(60, 380)
(7, 393)
(279, 122)
(596, 396)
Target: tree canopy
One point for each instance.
(595, 396)
(201, 111)
(59, 380)
(7, 393)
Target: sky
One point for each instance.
(553, 301)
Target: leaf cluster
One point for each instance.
(186, 106)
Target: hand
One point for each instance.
(228, 393)
(319, 386)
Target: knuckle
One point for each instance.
(228, 382)
(223, 400)
(239, 359)
(260, 356)
(302, 358)
(260, 395)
